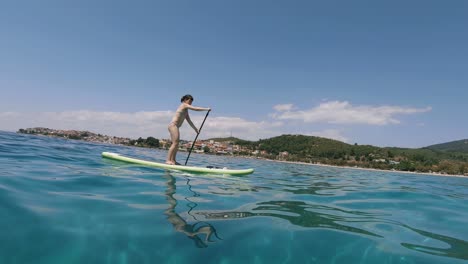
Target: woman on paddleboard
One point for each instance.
(179, 117)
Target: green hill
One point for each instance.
(302, 145)
(227, 139)
(450, 158)
(453, 146)
(313, 149)
(318, 147)
(235, 141)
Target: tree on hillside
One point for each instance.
(152, 142)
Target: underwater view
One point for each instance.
(61, 202)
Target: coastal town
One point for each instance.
(201, 146)
(77, 135)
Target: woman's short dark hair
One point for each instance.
(186, 97)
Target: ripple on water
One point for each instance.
(62, 203)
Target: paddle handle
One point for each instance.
(199, 131)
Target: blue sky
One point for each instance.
(386, 73)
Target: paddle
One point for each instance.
(199, 130)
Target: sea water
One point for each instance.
(61, 202)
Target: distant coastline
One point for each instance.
(76, 135)
(371, 169)
(372, 161)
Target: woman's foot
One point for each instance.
(170, 162)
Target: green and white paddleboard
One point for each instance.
(115, 156)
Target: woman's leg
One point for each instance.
(171, 155)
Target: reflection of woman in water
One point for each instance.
(192, 231)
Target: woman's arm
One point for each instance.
(187, 117)
(196, 108)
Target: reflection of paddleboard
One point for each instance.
(210, 169)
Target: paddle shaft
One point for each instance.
(199, 131)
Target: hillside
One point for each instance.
(226, 139)
(302, 145)
(312, 149)
(449, 158)
(453, 146)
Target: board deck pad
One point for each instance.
(208, 169)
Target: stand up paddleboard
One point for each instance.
(115, 156)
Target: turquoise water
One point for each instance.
(60, 202)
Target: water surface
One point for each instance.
(60, 202)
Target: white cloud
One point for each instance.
(336, 112)
(283, 107)
(145, 123)
(139, 124)
(240, 128)
(111, 123)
